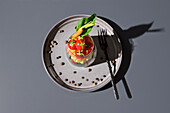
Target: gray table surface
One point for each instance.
(25, 86)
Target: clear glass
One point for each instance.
(82, 61)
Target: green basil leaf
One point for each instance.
(86, 32)
(87, 24)
(80, 23)
(92, 18)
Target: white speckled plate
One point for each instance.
(70, 76)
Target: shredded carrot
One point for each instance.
(79, 32)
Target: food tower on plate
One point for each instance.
(80, 48)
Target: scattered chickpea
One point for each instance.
(95, 83)
(50, 52)
(66, 42)
(113, 61)
(52, 42)
(59, 73)
(62, 63)
(60, 31)
(89, 70)
(101, 79)
(97, 79)
(51, 46)
(55, 43)
(71, 82)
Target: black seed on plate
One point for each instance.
(101, 79)
(59, 73)
(77, 84)
(66, 79)
(97, 79)
(97, 26)
(93, 82)
(58, 57)
(104, 75)
(89, 70)
(80, 84)
(82, 77)
(74, 72)
(62, 63)
(87, 79)
(72, 82)
(60, 31)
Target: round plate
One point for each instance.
(85, 79)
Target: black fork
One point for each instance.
(102, 34)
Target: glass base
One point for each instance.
(90, 60)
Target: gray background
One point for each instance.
(25, 86)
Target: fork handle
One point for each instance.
(115, 90)
(112, 81)
(126, 88)
(112, 77)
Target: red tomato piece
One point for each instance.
(90, 44)
(80, 44)
(72, 44)
(86, 38)
(89, 50)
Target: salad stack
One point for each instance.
(80, 46)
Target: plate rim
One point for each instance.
(69, 88)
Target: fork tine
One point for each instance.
(99, 37)
(102, 36)
(105, 35)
